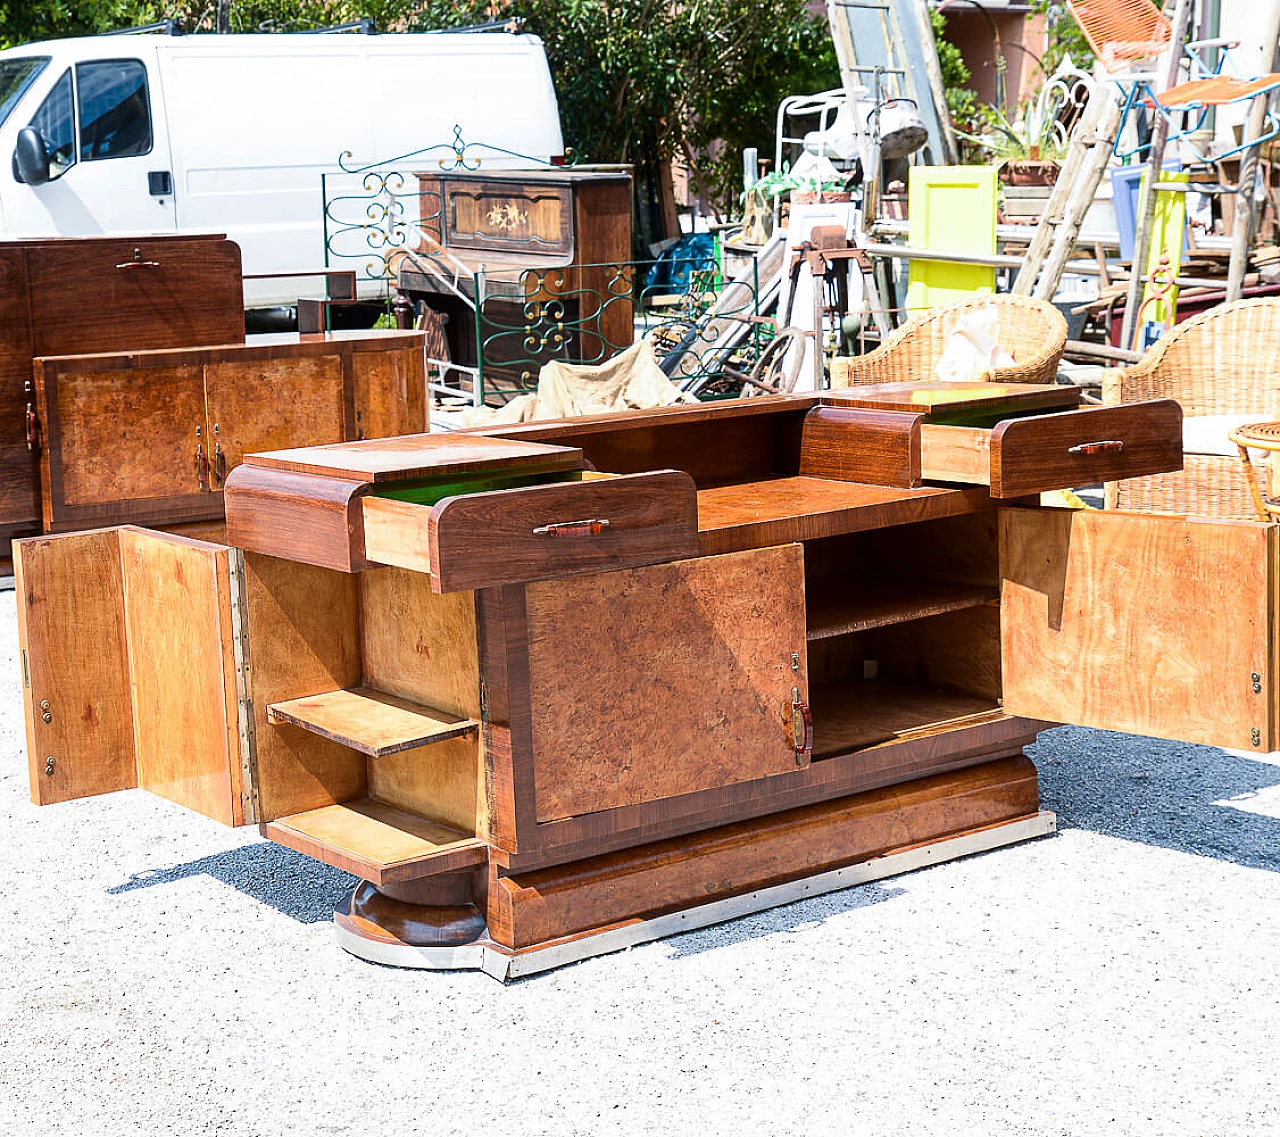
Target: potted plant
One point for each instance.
(1027, 149)
(799, 188)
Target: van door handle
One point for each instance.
(159, 183)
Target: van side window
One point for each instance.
(54, 122)
(115, 113)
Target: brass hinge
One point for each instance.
(246, 730)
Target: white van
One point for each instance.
(159, 133)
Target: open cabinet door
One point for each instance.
(1148, 624)
(133, 669)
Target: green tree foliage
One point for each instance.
(1065, 37)
(962, 100)
(641, 81)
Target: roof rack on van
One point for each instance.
(168, 27)
(513, 25)
(367, 26)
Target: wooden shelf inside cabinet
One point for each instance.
(857, 606)
(859, 714)
(378, 842)
(370, 721)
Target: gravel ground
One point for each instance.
(164, 975)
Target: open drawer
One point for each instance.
(534, 533)
(1027, 439)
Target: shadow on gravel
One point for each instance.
(1160, 793)
(778, 921)
(301, 888)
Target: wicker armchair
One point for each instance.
(1224, 362)
(1032, 331)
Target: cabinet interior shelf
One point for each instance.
(370, 721)
(377, 841)
(836, 608)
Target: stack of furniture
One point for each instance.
(128, 390)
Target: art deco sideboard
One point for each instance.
(562, 687)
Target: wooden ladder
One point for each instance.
(1087, 157)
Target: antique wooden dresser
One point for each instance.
(563, 687)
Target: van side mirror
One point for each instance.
(31, 157)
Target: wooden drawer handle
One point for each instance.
(1112, 446)
(585, 528)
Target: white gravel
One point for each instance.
(160, 974)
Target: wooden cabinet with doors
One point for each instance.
(561, 687)
(150, 436)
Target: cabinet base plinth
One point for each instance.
(391, 932)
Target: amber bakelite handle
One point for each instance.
(1112, 446)
(32, 426)
(802, 728)
(585, 528)
(219, 464)
(202, 466)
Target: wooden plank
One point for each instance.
(1076, 448)
(303, 628)
(838, 606)
(370, 721)
(757, 514)
(182, 672)
(855, 445)
(532, 907)
(418, 456)
(508, 536)
(71, 632)
(937, 399)
(1153, 625)
(378, 842)
(855, 715)
(679, 679)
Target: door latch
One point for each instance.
(202, 463)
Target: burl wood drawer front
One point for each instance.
(1030, 455)
(562, 529)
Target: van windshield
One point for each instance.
(16, 75)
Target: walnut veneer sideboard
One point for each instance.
(562, 687)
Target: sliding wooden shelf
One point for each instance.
(370, 721)
(856, 606)
(378, 842)
(858, 714)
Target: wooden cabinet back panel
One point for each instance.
(660, 681)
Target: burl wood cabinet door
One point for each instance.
(271, 404)
(132, 669)
(1148, 624)
(654, 682)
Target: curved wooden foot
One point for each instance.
(398, 925)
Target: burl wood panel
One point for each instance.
(71, 631)
(506, 536)
(182, 671)
(878, 447)
(271, 403)
(534, 907)
(312, 520)
(390, 392)
(1075, 448)
(1148, 624)
(120, 434)
(663, 681)
(190, 294)
(304, 639)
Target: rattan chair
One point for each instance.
(1032, 331)
(1224, 362)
